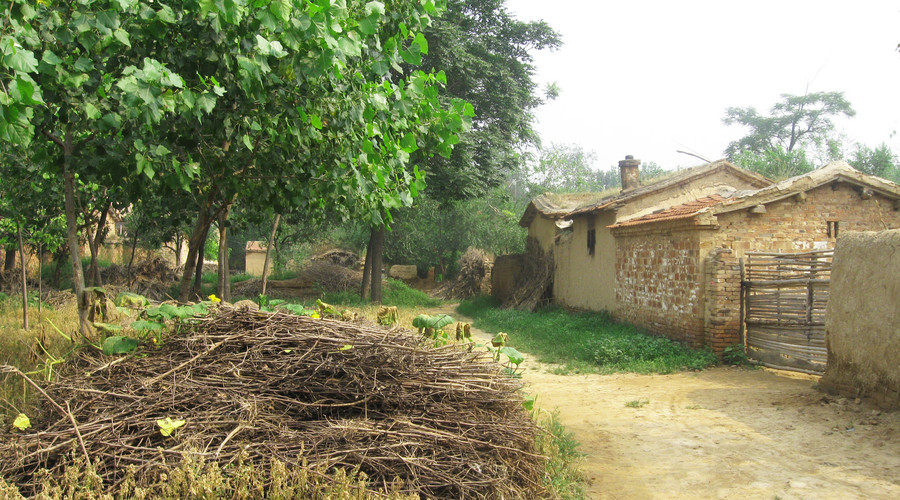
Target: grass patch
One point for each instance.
(20, 348)
(395, 293)
(586, 342)
(563, 476)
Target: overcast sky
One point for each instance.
(648, 78)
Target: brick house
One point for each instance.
(665, 256)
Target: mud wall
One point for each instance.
(503, 276)
(862, 325)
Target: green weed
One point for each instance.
(735, 354)
(637, 403)
(586, 342)
(30, 350)
(563, 476)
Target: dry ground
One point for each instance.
(722, 433)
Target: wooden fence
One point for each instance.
(785, 296)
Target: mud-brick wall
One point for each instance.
(799, 223)
(862, 324)
(659, 284)
(722, 274)
(503, 278)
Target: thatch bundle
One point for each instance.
(254, 386)
(534, 284)
(474, 276)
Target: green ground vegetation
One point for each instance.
(585, 342)
(396, 293)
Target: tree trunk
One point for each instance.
(94, 242)
(367, 271)
(10, 260)
(271, 244)
(24, 280)
(179, 245)
(134, 239)
(224, 288)
(89, 277)
(377, 250)
(195, 246)
(72, 237)
(198, 266)
(58, 260)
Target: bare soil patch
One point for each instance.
(721, 433)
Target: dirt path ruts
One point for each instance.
(720, 433)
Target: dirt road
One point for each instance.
(722, 433)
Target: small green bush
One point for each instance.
(735, 354)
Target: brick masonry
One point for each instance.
(794, 225)
(659, 284)
(683, 281)
(722, 279)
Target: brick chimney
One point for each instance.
(629, 169)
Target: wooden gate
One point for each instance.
(784, 297)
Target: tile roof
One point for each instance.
(683, 211)
(670, 182)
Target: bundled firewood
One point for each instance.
(242, 385)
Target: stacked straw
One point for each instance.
(255, 386)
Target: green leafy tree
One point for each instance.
(795, 122)
(563, 168)
(485, 53)
(79, 92)
(311, 110)
(880, 161)
(775, 163)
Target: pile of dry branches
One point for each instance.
(338, 257)
(474, 276)
(151, 278)
(11, 281)
(534, 285)
(331, 277)
(315, 277)
(257, 386)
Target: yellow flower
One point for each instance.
(214, 299)
(315, 315)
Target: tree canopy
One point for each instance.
(485, 53)
(297, 104)
(795, 122)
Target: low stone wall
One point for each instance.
(862, 326)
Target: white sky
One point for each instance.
(649, 77)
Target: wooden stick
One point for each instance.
(78, 433)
